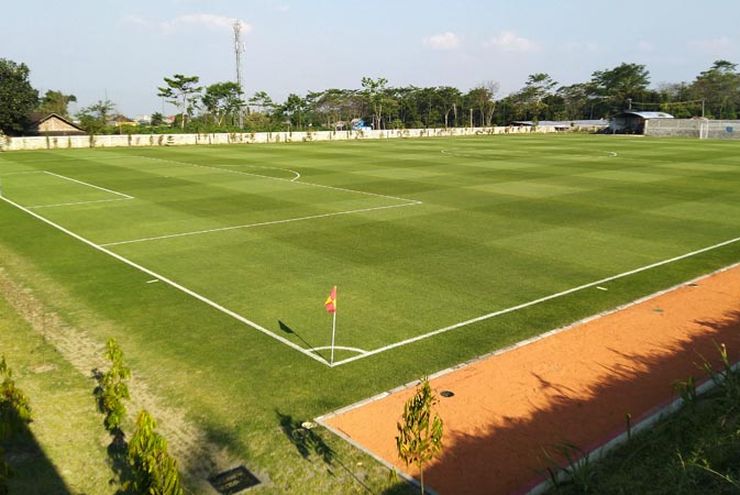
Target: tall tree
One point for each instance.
(95, 118)
(531, 98)
(481, 99)
(56, 102)
(617, 85)
(17, 97)
(375, 92)
(222, 99)
(181, 91)
(720, 87)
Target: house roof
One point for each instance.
(645, 115)
(38, 118)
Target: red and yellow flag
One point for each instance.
(331, 301)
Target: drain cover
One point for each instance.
(233, 481)
(447, 393)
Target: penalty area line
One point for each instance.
(126, 196)
(259, 224)
(535, 301)
(170, 282)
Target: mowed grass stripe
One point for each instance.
(506, 221)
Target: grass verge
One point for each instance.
(695, 451)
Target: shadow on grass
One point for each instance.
(287, 329)
(513, 454)
(308, 442)
(32, 472)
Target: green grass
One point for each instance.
(64, 449)
(503, 221)
(694, 451)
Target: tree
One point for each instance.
(419, 437)
(375, 93)
(154, 470)
(181, 91)
(720, 87)
(294, 108)
(481, 98)
(56, 102)
(262, 101)
(17, 97)
(222, 99)
(157, 119)
(531, 98)
(617, 85)
(113, 389)
(94, 118)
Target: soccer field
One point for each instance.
(421, 237)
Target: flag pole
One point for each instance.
(333, 333)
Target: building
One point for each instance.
(564, 125)
(52, 124)
(632, 122)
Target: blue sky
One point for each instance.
(124, 48)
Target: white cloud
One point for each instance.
(208, 21)
(282, 8)
(645, 46)
(713, 45)
(442, 41)
(509, 41)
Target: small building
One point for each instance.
(564, 125)
(52, 124)
(633, 122)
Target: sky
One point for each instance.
(123, 49)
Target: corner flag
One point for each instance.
(331, 301)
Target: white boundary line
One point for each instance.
(340, 347)
(77, 203)
(171, 282)
(535, 301)
(252, 225)
(8, 174)
(89, 185)
(544, 486)
(296, 174)
(521, 343)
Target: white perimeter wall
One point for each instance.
(108, 141)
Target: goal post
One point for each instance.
(703, 128)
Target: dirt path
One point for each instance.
(198, 458)
(575, 386)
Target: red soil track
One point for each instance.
(575, 386)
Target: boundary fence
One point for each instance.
(131, 140)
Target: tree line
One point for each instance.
(222, 106)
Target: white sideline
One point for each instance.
(89, 185)
(73, 203)
(168, 281)
(535, 301)
(8, 174)
(251, 225)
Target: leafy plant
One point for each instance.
(420, 430)
(578, 471)
(113, 389)
(15, 413)
(154, 470)
(15, 408)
